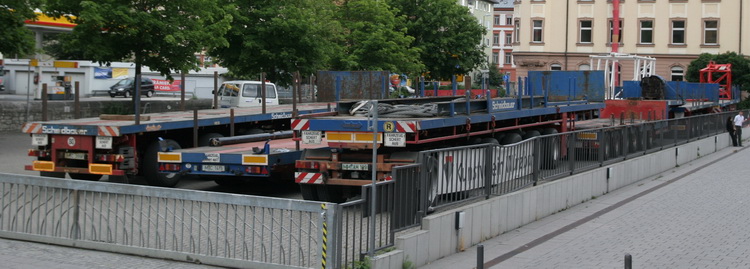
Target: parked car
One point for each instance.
(126, 88)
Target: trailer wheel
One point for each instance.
(550, 149)
(511, 138)
(52, 174)
(205, 139)
(89, 177)
(330, 193)
(151, 166)
(490, 140)
(531, 134)
(309, 192)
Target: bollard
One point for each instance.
(480, 256)
(628, 261)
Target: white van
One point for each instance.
(246, 93)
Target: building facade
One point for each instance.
(562, 34)
(502, 39)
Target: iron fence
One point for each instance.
(211, 228)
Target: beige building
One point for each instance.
(561, 34)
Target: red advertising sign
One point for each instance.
(165, 86)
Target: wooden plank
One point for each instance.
(122, 117)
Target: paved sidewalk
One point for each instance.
(694, 216)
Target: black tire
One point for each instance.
(204, 139)
(531, 134)
(89, 177)
(151, 166)
(124, 179)
(490, 140)
(331, 193)
(149, 94)
(511, 138)
(126, 94)
(52, 174)
(309, 192)
(551, 152)
(112, 95)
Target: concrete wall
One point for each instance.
(492, 217)
(13, 113)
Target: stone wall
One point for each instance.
(13, 114)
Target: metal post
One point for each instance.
(44, 102)
(295, 88)
(628, 261)
(231, 122)
(454, 85)
(262, 91)
(182, 91)
(373, 201)
(480, 256)
(216, 89)
(77, 102)
(195, 128)
(137, 99)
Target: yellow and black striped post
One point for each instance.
(325, 237)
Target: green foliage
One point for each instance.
(740, 67)
(16, 38)
(376, 39)
(495, 77)
(279, 38)
(161, 34)
(363, 264)
(115, 108)
(448, 36)
(58, 46)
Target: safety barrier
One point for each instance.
(193, 226)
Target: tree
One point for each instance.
(280, 38)
(376, 39)
(16, 38)
(161, 34)
(448, 36)
(740, 67)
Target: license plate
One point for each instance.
(355, 166)
(104, 142)
(75, 155)
(213, 168)
(39, 139)
(311, 137)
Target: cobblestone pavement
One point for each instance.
(694, 216)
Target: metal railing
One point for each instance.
(212, 228)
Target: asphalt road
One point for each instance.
(13, 156)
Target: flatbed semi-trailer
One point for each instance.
(114, 145)
(336, 172)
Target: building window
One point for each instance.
(495, 39)
(495, 57)
(508, 38)
(678, 74)
(612, 31)
(536, 30)
(647, 32)
(508, 19)
(711, 32)
(678, 32)
(508, 58)
(555, 67)
(516, 31)
(586, 30)
(496, 20)
(584, 67)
